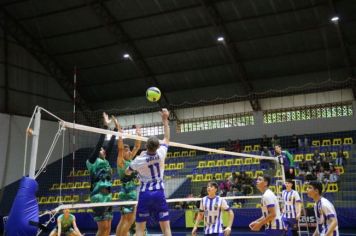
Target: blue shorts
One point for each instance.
(274, 232)
(289, 222)
(214, 234)
(152, 203)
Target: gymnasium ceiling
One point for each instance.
(268, 44)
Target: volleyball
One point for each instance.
(153, 94)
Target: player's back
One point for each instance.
(150, 168)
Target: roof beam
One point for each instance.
(27, 41)
(114, 27)
(231, 51)
(343, 44)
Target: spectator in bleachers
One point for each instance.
(225, 186)
(275, 141)
(334, 175)
(322, 175)
(303, 143)
(305, 167)
(265, 142)
(316, 158)
(340, 158)
(229, 145)
(237, 146)
(288, 161)
(246, 183)
(326, 161)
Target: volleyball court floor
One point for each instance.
(351, 232)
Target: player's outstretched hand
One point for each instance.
(194, 231)
(106, 119)
(227, 231)
(164, 114)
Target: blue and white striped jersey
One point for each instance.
(324, 211)
(290, 198)
(150, 169)
(270, 200)
(212, 208)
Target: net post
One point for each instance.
(35, 138)
(281, 163)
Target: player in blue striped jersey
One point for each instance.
(211, 208)
(150, 168)
(291, 208)
(325, 213)
(271, 215)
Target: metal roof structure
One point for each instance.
(190, 49)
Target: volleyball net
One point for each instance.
(65, 181)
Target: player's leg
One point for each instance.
(108, 227)
(140, 228)
(165, 227)
(101, 228)
(162, 213)
(53, 232)
(127, 221)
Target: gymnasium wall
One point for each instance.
(27, 82)
(14, 134)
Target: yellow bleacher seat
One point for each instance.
(258, 205)
(54, 186)
(189, 176)
(116, 182)
(298, 157)
(202, 164)
(80, 173)
(67, 198)
(273, 188)
(310, 204)
(332, 188)
(279, 189)
(304, 188)
(59, 199)
(322, 154)
(180, 165)
(115, 197)
(86, 185)
(247, 148)
(346, 154)
(43, 200)
(279, 173)
(326, 142)
(348, 141)
(316, 143)
(255, 161)
(136, 181)
(172, 166)
(256, 147)
(249, 174)
(238, 162)
(237, 205)
(248, 161)
(51, 199)
(218, 176)
(258, 173)
(199, 178)
(337, 141)
(86, 173)
(192, 153)
(71, 173)
(86, 198)
(333, 154)
(227, 174)
(184, 153)
(63, 186)
(70, 185)
(309, 156)
(229, 162)
(220, 162)
(75, 198)
(176, 154)
(169, 154)
(208, 177)
(210, 164)
(78, 185)
(340, 169)
(166, 167)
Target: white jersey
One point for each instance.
(324, 211)
(270, 200)
(212, 208)
(290, 198)
(150, 169)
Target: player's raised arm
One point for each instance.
(137, 143)
(165, 114)
(120, 145)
